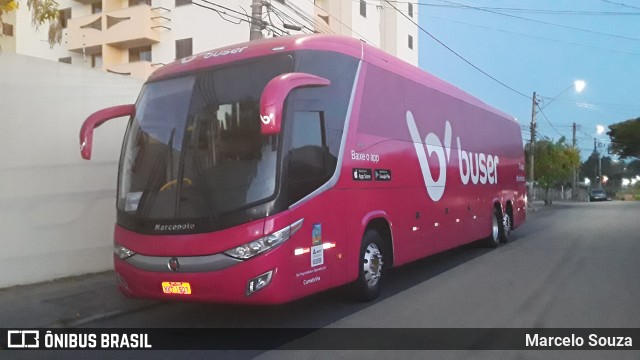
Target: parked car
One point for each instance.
(597, 195)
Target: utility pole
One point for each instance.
(532, 146)
(255, 31)
(598, 170)
(574, 190)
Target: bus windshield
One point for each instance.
(194, 148)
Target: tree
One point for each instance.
(633, 168)
(42, 12)
(625, 138)
(554, 162)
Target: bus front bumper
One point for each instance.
(235, 282)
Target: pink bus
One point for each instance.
(271, 170)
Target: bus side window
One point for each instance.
(309, 158)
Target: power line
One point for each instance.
(621, 4)
(540, 11)
(456, 54)
(225, 8)
(223, 13)
(534, 36)
(281, 14)
(546, 118)
(293, 7)
(542, 22)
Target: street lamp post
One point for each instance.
(532, 145)
(578, 85)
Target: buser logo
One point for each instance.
(266, 119)
(477, 167)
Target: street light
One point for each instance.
(578, 85)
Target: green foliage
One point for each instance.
(625, 138)
(613, 169)
(554, 162)
(42, 12)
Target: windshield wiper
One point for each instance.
(202, 180)
(150, 190)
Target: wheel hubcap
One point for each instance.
(494, 228)
(372, 265)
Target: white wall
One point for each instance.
(367, 29)
(8, 43)
(57, 211)
(404, 28)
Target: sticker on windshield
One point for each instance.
(132, 201)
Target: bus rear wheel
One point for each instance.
(371, 267)
(506, 226)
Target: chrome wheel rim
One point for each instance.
(372, 265)
(495, 231)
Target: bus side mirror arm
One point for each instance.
(275, 93)
(96, 119)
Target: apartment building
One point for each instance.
(134, 37)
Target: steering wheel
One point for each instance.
(175, 182)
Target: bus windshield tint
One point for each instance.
(194, 148)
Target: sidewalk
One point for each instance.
(538, 204)
(69, 302)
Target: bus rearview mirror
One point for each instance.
(96, 119)
(275, 93)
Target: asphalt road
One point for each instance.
(571, 265)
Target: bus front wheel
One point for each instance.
(371, 267)
(493, 240)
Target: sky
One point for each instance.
(542, 46)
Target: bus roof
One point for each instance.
(336, 43)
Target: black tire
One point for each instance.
(506, 225)
(494, 238)
(371, 268)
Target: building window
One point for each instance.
(63, 16)
(96, 61)
(410, 42)
(411, 9)
(142, 53)
(7, 29)
(363, 8)
(184, 48)
(96, 8)
(183, 2)
(66, 60)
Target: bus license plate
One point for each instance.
(179, 288)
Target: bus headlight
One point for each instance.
(255, 247)
(122, 252)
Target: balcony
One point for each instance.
(131, 27)
(137, 69)
(89, 2)
(85, 34)
(122, 28)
